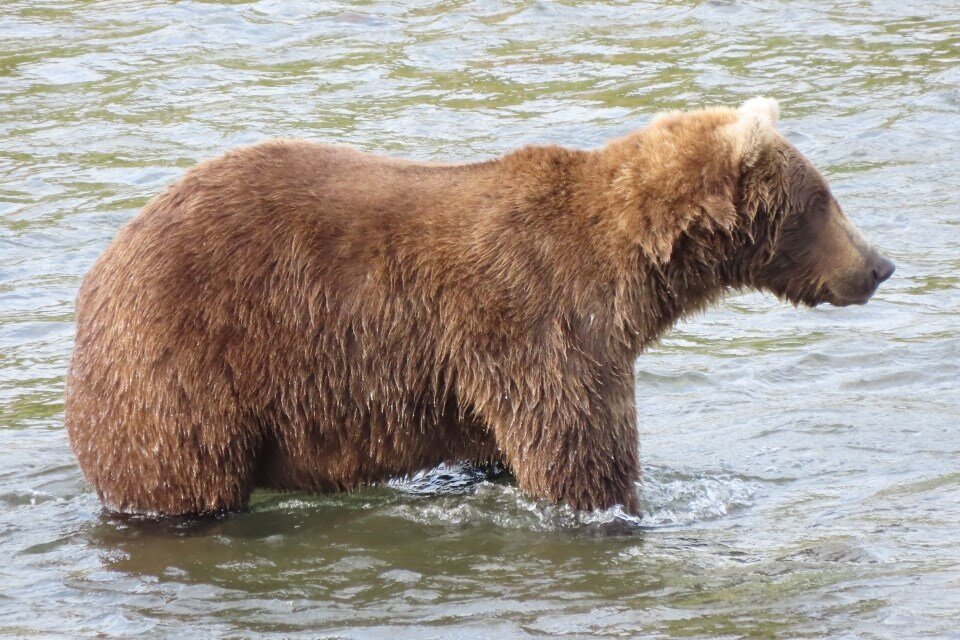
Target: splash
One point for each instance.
(671, 498)
(464, 496)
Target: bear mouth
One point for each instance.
(858, 287)
(832, 298)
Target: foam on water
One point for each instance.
(676, 498)
(461, 494)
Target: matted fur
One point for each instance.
(303, 316)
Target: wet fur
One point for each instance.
(308, 317)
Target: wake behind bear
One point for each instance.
(308, 317)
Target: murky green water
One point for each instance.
(802, 468)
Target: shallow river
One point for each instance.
(802, 468)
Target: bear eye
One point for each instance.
(818, 204)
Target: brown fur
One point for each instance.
(302, 316)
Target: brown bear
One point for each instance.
(307, 317)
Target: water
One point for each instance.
(801, 467)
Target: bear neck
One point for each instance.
(662, 294)
(701, 253)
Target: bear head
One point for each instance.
(803, 247)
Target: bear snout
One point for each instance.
(859, 287)
(881, 269)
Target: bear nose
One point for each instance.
(883, 268)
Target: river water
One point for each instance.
(801, 468)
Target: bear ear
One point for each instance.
(760, 107)
(754, 129)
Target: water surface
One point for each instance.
(801, 467)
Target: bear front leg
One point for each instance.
(576, 445)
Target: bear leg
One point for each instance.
(576, 451)
(165, 462)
